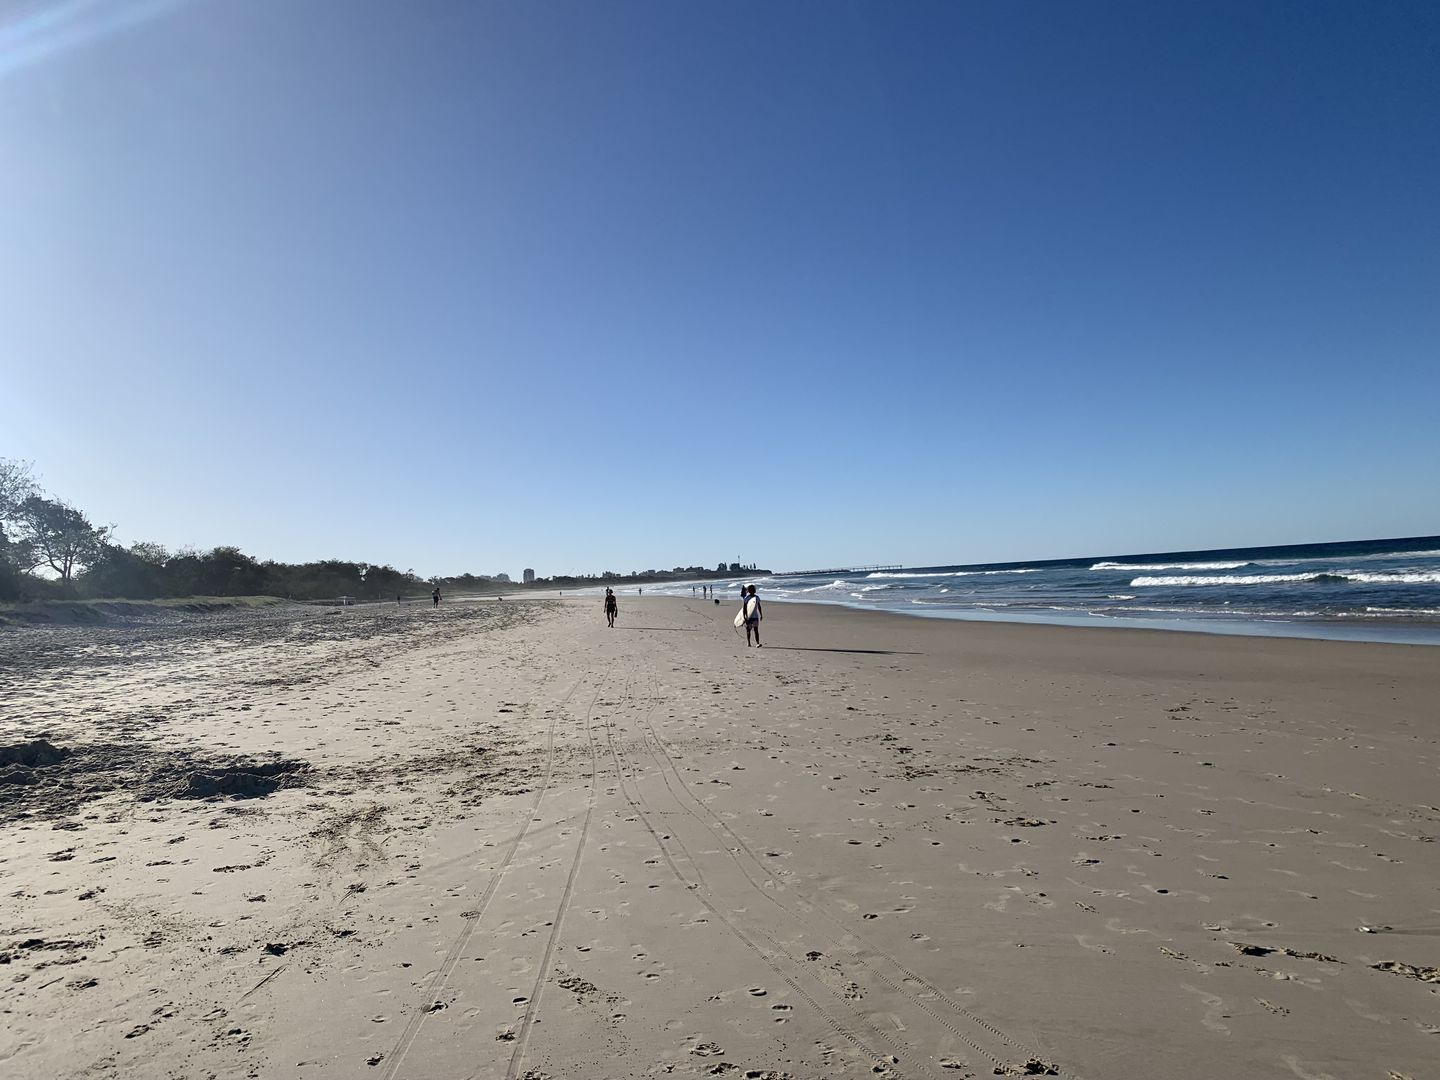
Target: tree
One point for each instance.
(227, 571)
(17, 483)
(118, 572)
(150, 552)
(57, 535)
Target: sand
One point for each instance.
(497, 839)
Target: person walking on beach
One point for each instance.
(753, 615)
(612, 607)
(435, 596)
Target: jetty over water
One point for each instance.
(841, 570)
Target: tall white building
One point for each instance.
(529, 576)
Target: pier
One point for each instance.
(841, 570)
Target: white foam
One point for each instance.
(883, 574)
(1394, 577)
(1220, 579)
(837, 584)
(1169, 566)
(953, 573)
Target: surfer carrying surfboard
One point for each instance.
(753, 615)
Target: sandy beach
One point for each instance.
(496, 839)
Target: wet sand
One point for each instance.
(499, 840)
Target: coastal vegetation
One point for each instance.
(50, 550)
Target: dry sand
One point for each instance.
(499, 840)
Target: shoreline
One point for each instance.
(1380, 631)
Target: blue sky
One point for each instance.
(474, 286)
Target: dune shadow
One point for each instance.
(667, 629)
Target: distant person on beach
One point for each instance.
(435, 596)
(399, 599)
(612, 607)
(753, 615)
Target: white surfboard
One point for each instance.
(746, 608)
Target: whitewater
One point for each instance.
(1377, 590)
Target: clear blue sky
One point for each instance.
(577, 286)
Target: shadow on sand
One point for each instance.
(867, 652)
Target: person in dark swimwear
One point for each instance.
(612, 607)
(435, 596)
(753, 615)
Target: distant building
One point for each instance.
(529, 576)
(503, 577)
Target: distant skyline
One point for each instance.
(485, 286)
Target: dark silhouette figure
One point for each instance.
(753, 615)
(612, 607)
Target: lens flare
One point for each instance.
(44, 31)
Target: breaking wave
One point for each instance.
(950, 573)
(1394, 577)
(1169, 566)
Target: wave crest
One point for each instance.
(950, 573)
(1169, 566)
(1393, 577)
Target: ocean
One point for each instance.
(1373, 590)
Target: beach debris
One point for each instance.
(19, 948)
(1424, 974)
(42, 780)
(1266, 950)
(18, 774)
(1033, 1067)
(576, 985)
(35, 754)
(242, 781)
(18, 761)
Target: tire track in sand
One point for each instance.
(769, 957)
(532, 1005)
(472, 917)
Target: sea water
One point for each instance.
(1376, 590)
